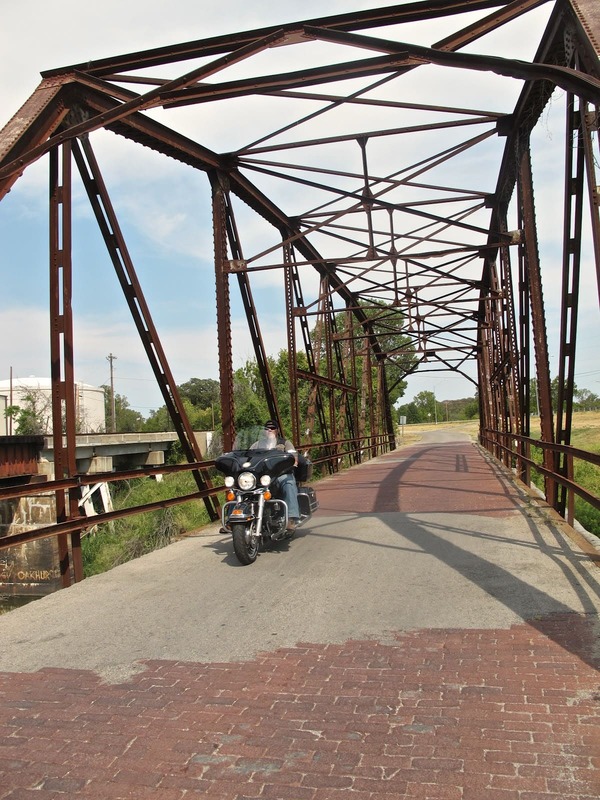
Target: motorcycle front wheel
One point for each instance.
(245, 545)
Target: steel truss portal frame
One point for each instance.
(393, 185)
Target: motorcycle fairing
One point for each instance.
(260, 462)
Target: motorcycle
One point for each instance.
(254, 512)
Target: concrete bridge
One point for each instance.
(432, 634)
(94, 452)
(105, 452)
(31, 569)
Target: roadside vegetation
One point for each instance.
(585, 435)
(112, 544)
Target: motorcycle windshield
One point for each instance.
(256, 451)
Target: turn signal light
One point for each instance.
(267, 495)
(230, 495)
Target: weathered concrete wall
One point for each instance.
(30, 569)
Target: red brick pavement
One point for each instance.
(449, 714)
(451, 477)
(491, 714)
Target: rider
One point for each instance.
(286, 484)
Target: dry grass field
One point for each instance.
(412, 434)
(585, 435)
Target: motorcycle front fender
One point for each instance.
(238, 512)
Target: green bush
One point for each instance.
(133, 536)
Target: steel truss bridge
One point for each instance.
(383, 165)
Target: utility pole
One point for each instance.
(113, 409)
(10, 402)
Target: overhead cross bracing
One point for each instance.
(380, 167)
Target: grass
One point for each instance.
(133, 536)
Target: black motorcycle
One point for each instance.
(253, 513)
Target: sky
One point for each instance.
(158, 225)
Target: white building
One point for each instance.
(89, 404)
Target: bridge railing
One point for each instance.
(515, 452)
(329, 455)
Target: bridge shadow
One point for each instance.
(578, 632)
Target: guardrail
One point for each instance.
(329, 454)
(514, 451)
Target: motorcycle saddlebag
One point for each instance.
(307, 500)
(303, 471)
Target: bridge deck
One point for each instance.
(433, 634)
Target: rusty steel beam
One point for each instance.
(586, 86)
(38, 118)
(589, 126)
(219, 214)
(140, 312)
(203, 48)
(229, 236)
(538, 320)
(575, 165)
(289, 278)
(61, 358)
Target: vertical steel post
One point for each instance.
(332, 417)
(314, 352)
(538, 321)
(353, 401)
(61, 355)
(288, 279)
(571, 268)
(590, 119)
(524, 327)
(223, 312)
(510, 345)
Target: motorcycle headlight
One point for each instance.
(229, 482)
(265, 480)
(246, 481)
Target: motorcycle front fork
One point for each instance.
(255, 513)
(252, 512)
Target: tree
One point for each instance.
(201, 402)
(426, 403)
(412, 413)
(471, 408)
(248, 397)
(200, 419)
(127, 420)
(586, 400)
(201, 392)
(34, 416)
(422, 408)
